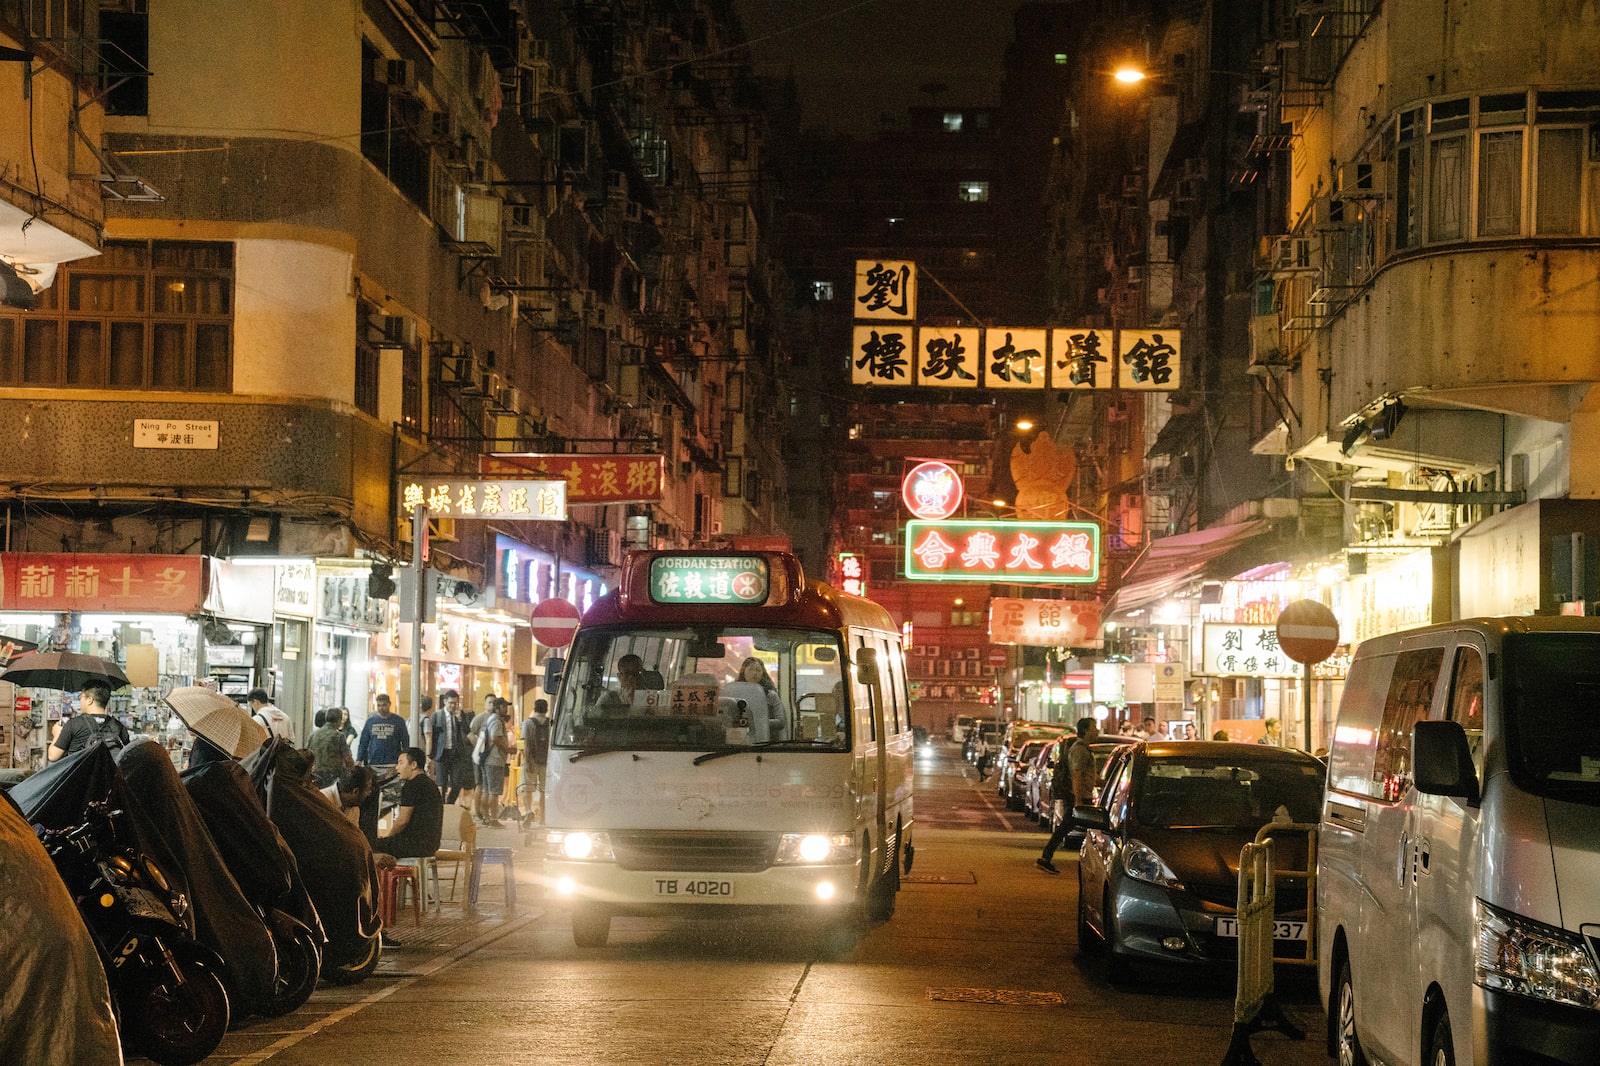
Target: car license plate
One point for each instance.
(694, 887)
(1229, 926)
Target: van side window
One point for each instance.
(866, 721)
(1466, 701)
(889, 669)
(1409, 701)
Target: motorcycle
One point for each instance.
(167, 990)
(265, 869)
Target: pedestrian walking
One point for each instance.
(535, 750)
(1072, 782)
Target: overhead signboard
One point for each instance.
(949, 357)
(709, 579)
(1045, 623)
(469, 497)
(130, 584)
(1018, 552)
(886, 290)
(606, 478)
(1238, 650)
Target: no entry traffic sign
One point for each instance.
(1307, 631)
(553, 622)
(998, 657)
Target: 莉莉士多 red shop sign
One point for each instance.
(153, 584)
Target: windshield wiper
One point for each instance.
(720, 752)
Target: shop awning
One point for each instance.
(1173, 562)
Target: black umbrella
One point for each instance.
(62, 669)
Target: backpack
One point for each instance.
(480, 748)
(108, 731)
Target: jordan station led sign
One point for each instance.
(1013, 551)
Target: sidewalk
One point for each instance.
(454, 922)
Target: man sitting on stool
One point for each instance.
(419, 820)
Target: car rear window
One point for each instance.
(1226, 791)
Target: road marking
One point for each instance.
(291, 1039)
(997, 995)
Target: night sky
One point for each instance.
(856, 60)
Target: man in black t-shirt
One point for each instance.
(93, 723)
(419, 821)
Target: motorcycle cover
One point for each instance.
(57, 796)
(256, 853)
(53, 974)
(172, 832)
(333, 856)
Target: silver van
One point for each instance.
(1459, 855)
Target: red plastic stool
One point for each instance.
(389, 882)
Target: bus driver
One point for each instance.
(630, 675)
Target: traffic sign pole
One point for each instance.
(419, 574)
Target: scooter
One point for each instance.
(167, 990)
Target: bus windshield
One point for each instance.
(703, 688)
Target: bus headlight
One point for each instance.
(579, 846)
(815, 849)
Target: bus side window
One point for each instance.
(1466, 701)
(895, 713)
(861, 695)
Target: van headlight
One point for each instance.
(1517, 954)
(1143, 864)
(579, 846)
(815, 849)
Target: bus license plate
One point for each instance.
(694, 887)
(1280, 930)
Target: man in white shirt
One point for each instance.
(275, 722)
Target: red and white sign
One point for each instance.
(590, 478)
(852, 574)
(1307, 631)
(932, 490)
(998, 657)
(1045, 623)
(554, 622)
(152, 584)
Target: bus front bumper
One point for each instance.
(830, 887)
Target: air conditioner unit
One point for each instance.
(531, 51)
(440, 127)
(460, 370)
(1329, 213)
(1291, 255)
(398, 74)
(1362, 181)
(504, 397)
(605, 547)
(480, 219)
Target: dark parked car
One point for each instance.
(1158, 871)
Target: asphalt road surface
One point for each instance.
(979, 965)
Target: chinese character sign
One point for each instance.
(949, 358)
(1238, 650)
(852, 574)
(1050, 553)
(931, 490)
(886, 289)
(709, 579)
(1082, 359)
(1045, 623)
(462, 497)
(1015, 358)
(881, 355)
(82, 582)
(591, 478)
(1149, 360)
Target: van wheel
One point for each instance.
(591, 928)
(1441, 1048)
(881, 894)
(1347, 1045)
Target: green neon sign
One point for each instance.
(709, 579)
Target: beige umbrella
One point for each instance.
(212, 715)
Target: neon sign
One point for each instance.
(1043, 553)
(852, 574)
(932, 490)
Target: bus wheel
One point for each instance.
(591, 927)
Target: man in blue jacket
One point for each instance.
(383, 738)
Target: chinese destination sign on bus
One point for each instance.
(469, 497)
(737, 579)
(1239, 650)
(1045, 553)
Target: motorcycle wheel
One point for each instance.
(175, 1023)
(299, 964)
(360, 969)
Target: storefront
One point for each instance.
(135, 610)
(346, 623)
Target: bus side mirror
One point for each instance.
(867, 666)
(552, 675)
(1441, 761)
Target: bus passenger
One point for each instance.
(754, 671)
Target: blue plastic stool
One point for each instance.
(503, 856)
